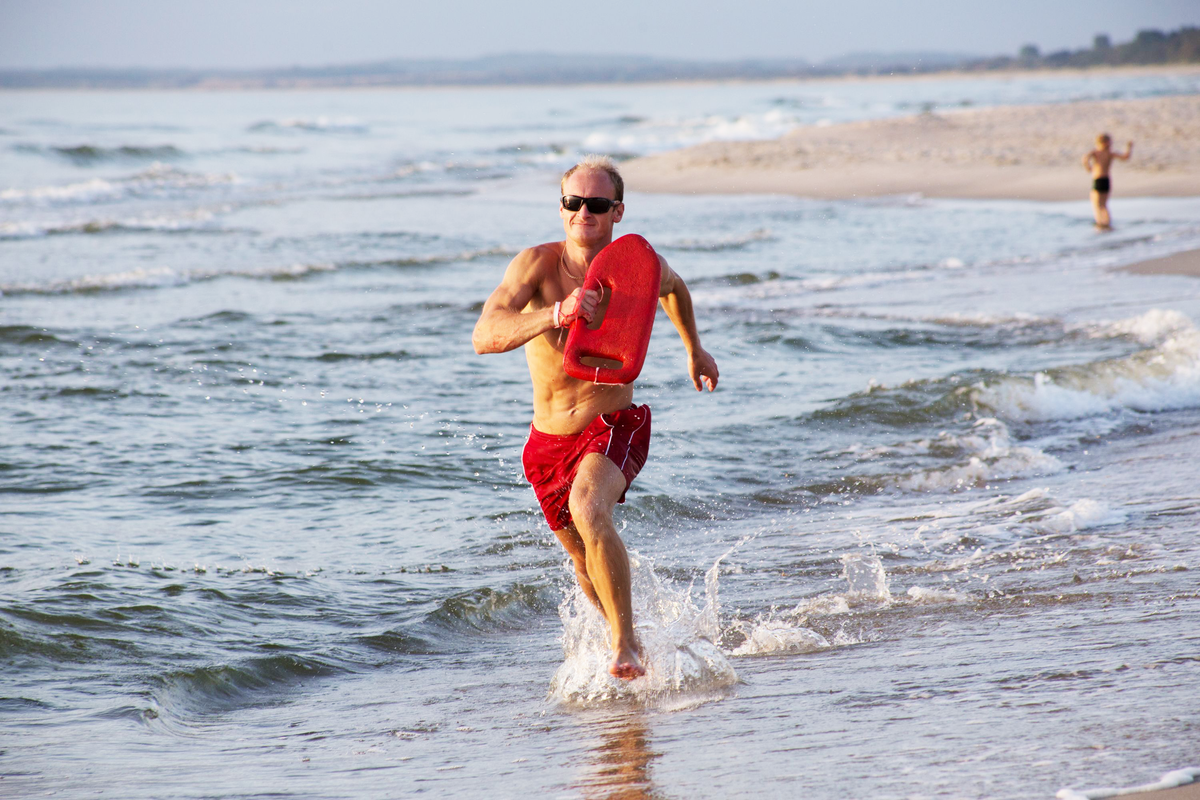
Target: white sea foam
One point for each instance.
(1006, 519)
(669, 133)
(778, 634)
(168, 276)
(988, 438)
(157, 179)
(158, 277)
(715, 244)
(989, 454)
(860, 280)
(194, 221)
(1179, 777)
(1151, 328)
(829, 282)
(684, 665)
(981, 320)
(821, 606)
(84, 191)
(920, 595)
(1079, 516)
(778, 637)
(318, 124)
(154, 276)
(1163, 377)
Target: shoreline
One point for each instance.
(1189, 791)
(1176, 785)
(1185, 263)
(1031, 152)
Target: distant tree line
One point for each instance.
(1148, 47)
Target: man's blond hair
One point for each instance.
(599, 164)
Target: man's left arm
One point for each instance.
(677, 302)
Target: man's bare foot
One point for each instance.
(627, 665)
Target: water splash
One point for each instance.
(788, 633)
(684, 665)
(779, 637)
(990, 453)
(865, 577)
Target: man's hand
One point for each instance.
(703, 369)
(578, 304)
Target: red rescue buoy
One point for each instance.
(613, 349)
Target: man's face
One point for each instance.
(582, 226)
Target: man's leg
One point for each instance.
(572, 542)
(598, 485)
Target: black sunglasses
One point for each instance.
(596, 205)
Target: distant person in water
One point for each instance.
(587, 441)
(1099, 162)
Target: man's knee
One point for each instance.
(591, 511)
(597, 487)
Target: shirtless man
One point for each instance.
(587, 441)
(1098, 162)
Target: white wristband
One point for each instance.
(557, 309)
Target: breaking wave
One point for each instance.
(720, 244)
(155, 181)
(986, 453)
(1163, 377)
(162, 277)
(319, 124)
(87, 154)
(220, 688)
(195, 222)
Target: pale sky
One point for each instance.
(36, 34)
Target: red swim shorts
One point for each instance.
(551, 461)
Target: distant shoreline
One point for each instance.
(200, 82)
(1151, 47)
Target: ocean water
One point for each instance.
(263, 526)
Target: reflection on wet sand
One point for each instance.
(618, 766)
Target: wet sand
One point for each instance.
(1018, 152)
(1185, 263)
(1190, 791)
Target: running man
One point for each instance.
(1099, 162)
(587, 441)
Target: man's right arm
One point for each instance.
(504, 325)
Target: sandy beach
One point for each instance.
(1018, 152)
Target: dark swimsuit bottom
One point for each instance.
(1101, 185)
